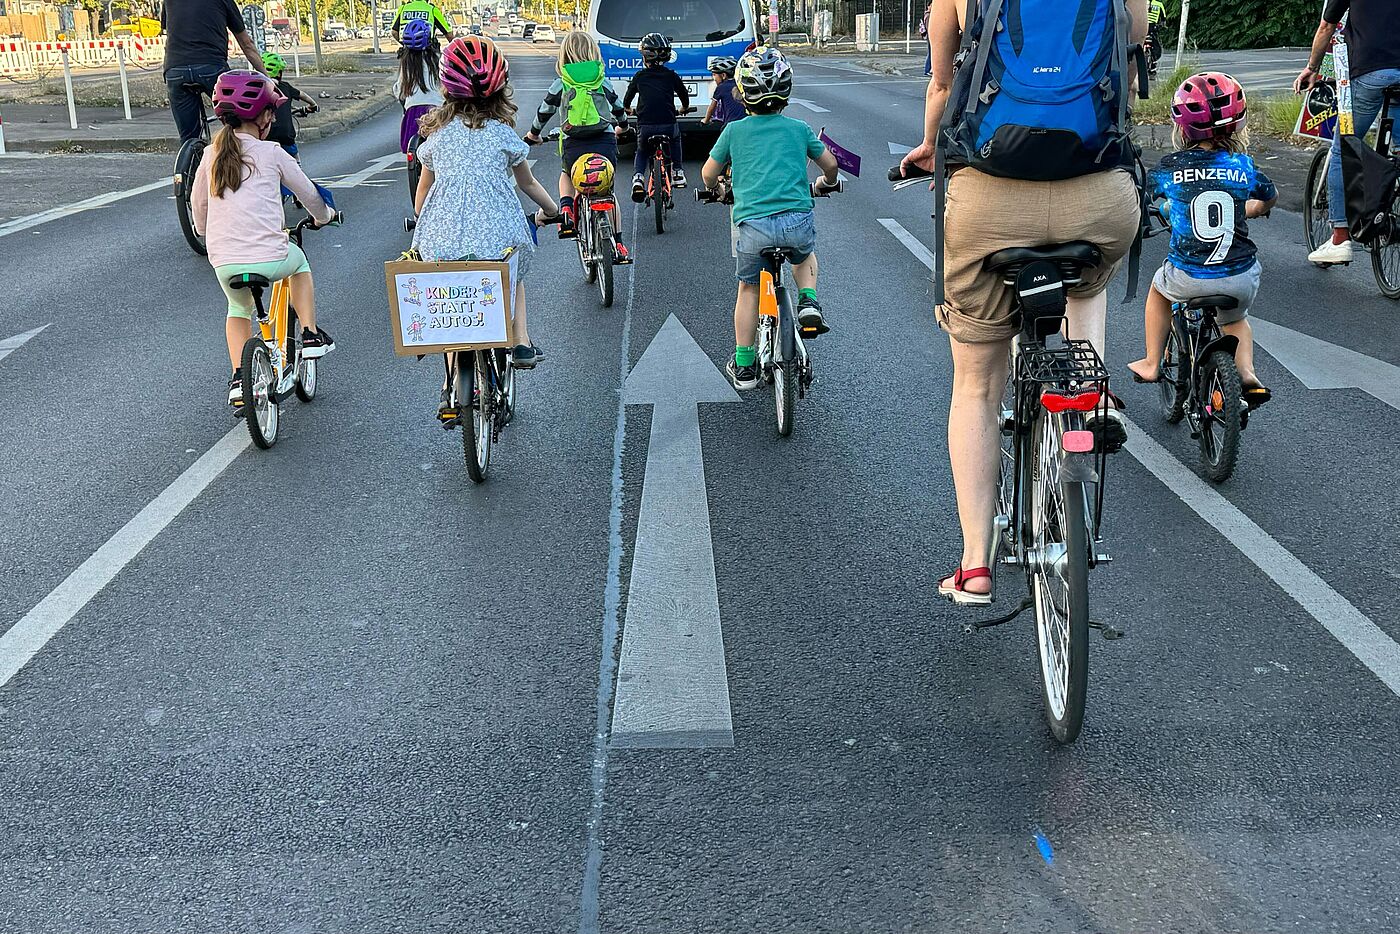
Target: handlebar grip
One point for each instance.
(898, 173)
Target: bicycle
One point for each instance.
(594, 236)
(781, 353)
(1051, 490)
(186, 166)
(658, 190)
(1385, 250)
(415, 170)
(273, 365)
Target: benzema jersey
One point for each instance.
(1207, 190)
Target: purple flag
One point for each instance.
(847, 160)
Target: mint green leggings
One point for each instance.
(240, 301)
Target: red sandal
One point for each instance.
(959, 593)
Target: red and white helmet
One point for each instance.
(473, 67)
(1208, 105)
(245, 95)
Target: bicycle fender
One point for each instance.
(1078, 468)
(787, 328)
(1224, 342)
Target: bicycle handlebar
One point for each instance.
(720, 194)
(820, 190)
(898, 173)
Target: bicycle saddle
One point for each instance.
(658, 138)
(776, 253)
(249, 280)
(1072, 258)
(1217, 302)
(195, 87)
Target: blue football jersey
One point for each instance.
(1207, 190)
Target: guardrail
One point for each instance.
(23, 59)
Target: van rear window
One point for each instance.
(682, 20)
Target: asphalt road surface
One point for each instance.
(335, 686)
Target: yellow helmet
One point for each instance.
(593, 174)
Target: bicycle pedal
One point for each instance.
(1110, 633)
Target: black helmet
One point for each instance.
(655, 48)
(764, 74)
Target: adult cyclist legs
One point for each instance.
(184, 103)
(1367, 96)
(974, 450)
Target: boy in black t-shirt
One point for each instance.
(656, 89)
(284, 128)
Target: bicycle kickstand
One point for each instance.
(1026, 604)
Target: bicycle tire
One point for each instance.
(415, 172)
(186, 166)
(1385, 258)
(305, 383)
(1171, 384)
(509, 395)
(658, 194)
(602, 239)
(1317, 226)
(784, 394)
(1222, 409)
(1061, 597)
(478, 397)
(585, 258)
(260, 407)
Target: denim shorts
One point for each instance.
(1178, 286)
(795, 230)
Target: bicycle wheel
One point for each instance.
(585, 257)
(186, 165)
(1006, 486)
(658, 194)
(260, 393)
(1385, 258)
(1316, 223)
(415, 171)
(508, 394)
(306, 369)
(474, 391)
(1222, 411)
(1171, 384)
(602, 238)
(784, 392)
(1059, 566)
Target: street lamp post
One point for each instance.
(374, 23)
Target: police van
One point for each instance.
(700, 32)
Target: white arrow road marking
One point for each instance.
(897, 149)
(375, 166)
(672, 685)
(26, 637)
(911, 242)
(78, 207)
(1356, 631)
(1320, 365)
(10, 344)
(813, 107)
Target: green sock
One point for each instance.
(807, 293)
(743, 356)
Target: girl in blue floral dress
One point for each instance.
(472, 162)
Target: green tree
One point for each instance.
(1246, 24)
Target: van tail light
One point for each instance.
(1058, 402)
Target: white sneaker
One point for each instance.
(678, 178)
(1330, 254)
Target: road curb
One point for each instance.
(353, 115)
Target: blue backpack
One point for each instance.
(1040, 90)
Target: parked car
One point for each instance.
(544, 33)
(503, 30)
(364, 32)
(336, 34)
(529, 31)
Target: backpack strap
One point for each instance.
(986, 33)
(940, 152)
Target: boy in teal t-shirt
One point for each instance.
(767, 154)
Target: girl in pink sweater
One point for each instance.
(237, 201)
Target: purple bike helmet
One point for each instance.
(245, 95)
(417, 34)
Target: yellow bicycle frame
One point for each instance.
(274, 328)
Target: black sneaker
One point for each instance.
(447, 412)
(316, 344)
(809, 317)
(743, 377)
(235, 389)
(539, 354)
(639, 188)
(524, 357)
(566, 226)
(1110, 429)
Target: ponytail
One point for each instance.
(226, 172)
(418, 70)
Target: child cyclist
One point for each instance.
(237, 205)
(656, 89)
(1211, 188)
(284, 128)
(417, 86)
(725, 106)
(593, 119)
(472, 160)
(767, 153)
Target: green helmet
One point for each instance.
(274, 63)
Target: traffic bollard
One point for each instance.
(68, 87)
(126, 93)
(296, 56)
(2, 133)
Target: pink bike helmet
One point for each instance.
(245, 95)
(472, 67)
(1208, 105)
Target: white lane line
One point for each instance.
(27, 637)
(1318, 364)
(1348, 625)
(1357, 633)
(911, 242)
(78, 207)
(899, 149)
(813, 107)
(383, 163)
(10, 344)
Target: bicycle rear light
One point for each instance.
(1059, 402)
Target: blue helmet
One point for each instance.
(417, 34)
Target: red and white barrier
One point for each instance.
(15, 58)
(19, 58)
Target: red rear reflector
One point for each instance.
(1057, 402)
(1078, 442)
(603, 205)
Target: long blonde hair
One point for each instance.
(473, 111)
(1236, 142)
(578, 46)
(230, 165)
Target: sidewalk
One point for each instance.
(42, 126)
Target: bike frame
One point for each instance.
(778, 340)
(1198, 335)
(660, 155)
(273, 320)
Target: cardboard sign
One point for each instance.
(848, 161)
(1318, 117)
(439, 307)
